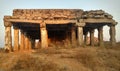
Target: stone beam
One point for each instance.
(59, 21)
(99, 21)
(25, 21)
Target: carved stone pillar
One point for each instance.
(29, 43)
(86, 38)
(100, 36)
(112, 34)
(8, 35)
(16, 38)
(80, 36)
(44, 35)
(92, 37)
(8, 38)
(26, 41)
(80, 26)
(22, 40)
(44, 38)
(73, 36)
(33, 43)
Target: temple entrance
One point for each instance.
(58, 34)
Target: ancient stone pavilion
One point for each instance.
(55, 25)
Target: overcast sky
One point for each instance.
(110, 6)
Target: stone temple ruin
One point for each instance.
(55, 25)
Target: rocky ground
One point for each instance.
(85, 58)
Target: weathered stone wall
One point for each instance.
(97, 14)
(53, 14)
(47, 13)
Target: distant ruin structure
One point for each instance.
(55, 25)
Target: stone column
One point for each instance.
(44, 36)
(16, 38)
(68, 37)
(80, 35)
(100, 36)
(86, 38)
(33, 43)
(112, 34)
(22, 40)
(92, 37)
(26, 41)
(80, 26)
(73, 36)
(8, 38)
(30, 44)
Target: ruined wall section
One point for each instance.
(96, 14)
(38, 14)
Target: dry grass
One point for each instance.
(29, 63)
(73, 59)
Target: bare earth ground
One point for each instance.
(63, 59)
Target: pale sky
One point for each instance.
(110, 6)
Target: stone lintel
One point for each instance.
(59, 21)
(99, 20)
(112, 24)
